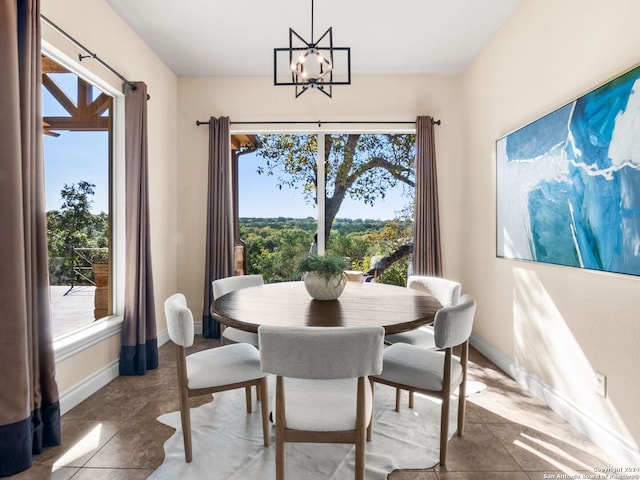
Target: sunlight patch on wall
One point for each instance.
(546, 348)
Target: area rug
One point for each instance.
(227, 442)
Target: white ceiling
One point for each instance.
(237, 37)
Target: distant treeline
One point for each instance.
(343, 225)
(275, 245)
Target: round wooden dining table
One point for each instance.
(397, 309)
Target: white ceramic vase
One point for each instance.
(321, 288)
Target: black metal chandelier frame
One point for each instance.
(326, 81)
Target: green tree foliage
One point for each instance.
(74, 226)
(383, 240)
(352, 245)
(276, 245)
(361, 166)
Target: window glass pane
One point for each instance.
(277, 204)
(369, 202)
(77, 184)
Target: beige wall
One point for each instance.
(94, 24)
(556, 324)
(73, 371)
(254, 99)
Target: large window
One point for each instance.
(344, 194)
(77, 119)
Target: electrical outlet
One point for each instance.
(601, 384)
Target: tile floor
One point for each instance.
(509, 434)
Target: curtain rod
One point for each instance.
(91, 54)
(319, 122)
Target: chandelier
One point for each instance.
(312, 65)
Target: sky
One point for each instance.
(291, 203)
(76, 156)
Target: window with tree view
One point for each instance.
(364, 199)
(77, 119)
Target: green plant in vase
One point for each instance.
(323, 275)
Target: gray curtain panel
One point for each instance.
(139, 351)
(29, 403)
(220, 228)
(427, 258)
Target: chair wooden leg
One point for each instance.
(262, 388)
(247, 391)
(360, 454)
(410, 399)
(280, 453)
(185, 421)
(183, 397)
(462, 405)
(444, 430)
(462, 389)
(361, 428)
(258, 394)
(280, 429)
(373, 402)
(398, 398)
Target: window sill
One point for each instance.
(85, 338)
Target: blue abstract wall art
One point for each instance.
(568, 184)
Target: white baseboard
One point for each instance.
(163, 337)
(610, 442)
(87, 387)
(91, 384)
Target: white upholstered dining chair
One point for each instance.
(322, 391)
(448, 293)
(435, 373)
(226, 285)
(212, 370)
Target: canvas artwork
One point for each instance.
(568, 184)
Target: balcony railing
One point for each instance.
(83, 260)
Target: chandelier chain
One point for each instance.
(312, 23)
